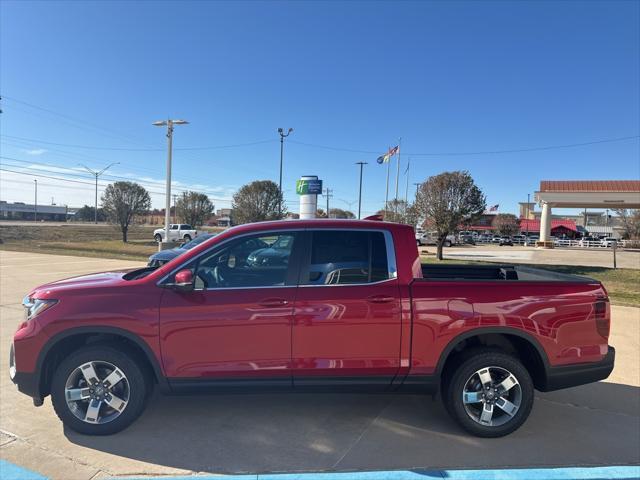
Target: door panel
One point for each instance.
(235, 332)
(337, 331)
(347, 319)
(237, 321)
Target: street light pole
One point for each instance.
(362, 164)
(35, 204)
(169, 124)
(282, 137)
(97, 173)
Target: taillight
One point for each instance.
(601, 314)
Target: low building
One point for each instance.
(27, 212)
(559, 228)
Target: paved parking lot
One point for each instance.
(597, 424)
(593, 257)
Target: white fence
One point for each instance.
(569, 243)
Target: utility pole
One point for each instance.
(97, 173)
(282, 137)
(35, 204)
(417, 184)
(328, 195)
(362, 164)
(169, 124)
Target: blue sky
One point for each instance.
(447, 77)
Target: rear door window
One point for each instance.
(341, 257)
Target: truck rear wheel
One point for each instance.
(99, 390)
(187, 238)
(490, 394)
(157, 237)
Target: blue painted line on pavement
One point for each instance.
(578, 473)
(9, 471)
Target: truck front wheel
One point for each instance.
(99, 390)
(490, 394)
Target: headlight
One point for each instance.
(35, 306)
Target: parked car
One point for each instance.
(518, 239)
(609, 242)
(467, 239)
(531, 240)
(431, 238)
(589, 242)
(496, 239)
(213, 318)
(177, 232)
(164, 256)
(506, 241)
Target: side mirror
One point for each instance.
(183, 281)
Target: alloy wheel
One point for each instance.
(97, 392)
(492, 396)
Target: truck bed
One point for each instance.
(497, 272)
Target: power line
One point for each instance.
(100, 161)
(485, 152)
(103, 185)
(127, 149)
(76, 173)
(74, 122)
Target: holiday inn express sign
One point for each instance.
(308, 187)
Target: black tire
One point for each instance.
(455, 387)
(447, 243)
(157, 237)
(187, 238)
(139, 386)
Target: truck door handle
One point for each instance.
(273, 302)
(380, 299)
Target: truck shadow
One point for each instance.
(595, 424)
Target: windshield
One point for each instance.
(197, 241)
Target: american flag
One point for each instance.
(494, 208)
(385, 158)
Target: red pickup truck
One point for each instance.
(308, 305)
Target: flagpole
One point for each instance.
(395, 208)
(398, 174)
(386, 195)
(406, 191)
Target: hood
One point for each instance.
(94, 280)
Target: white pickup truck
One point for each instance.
(177, 232)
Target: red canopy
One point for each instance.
(534, 225)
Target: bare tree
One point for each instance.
(399, 211)
(256, 202)
(506, 224)
(447, 201)
(194, 208)
(122, 202)
(340, 213)
(630, 220)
